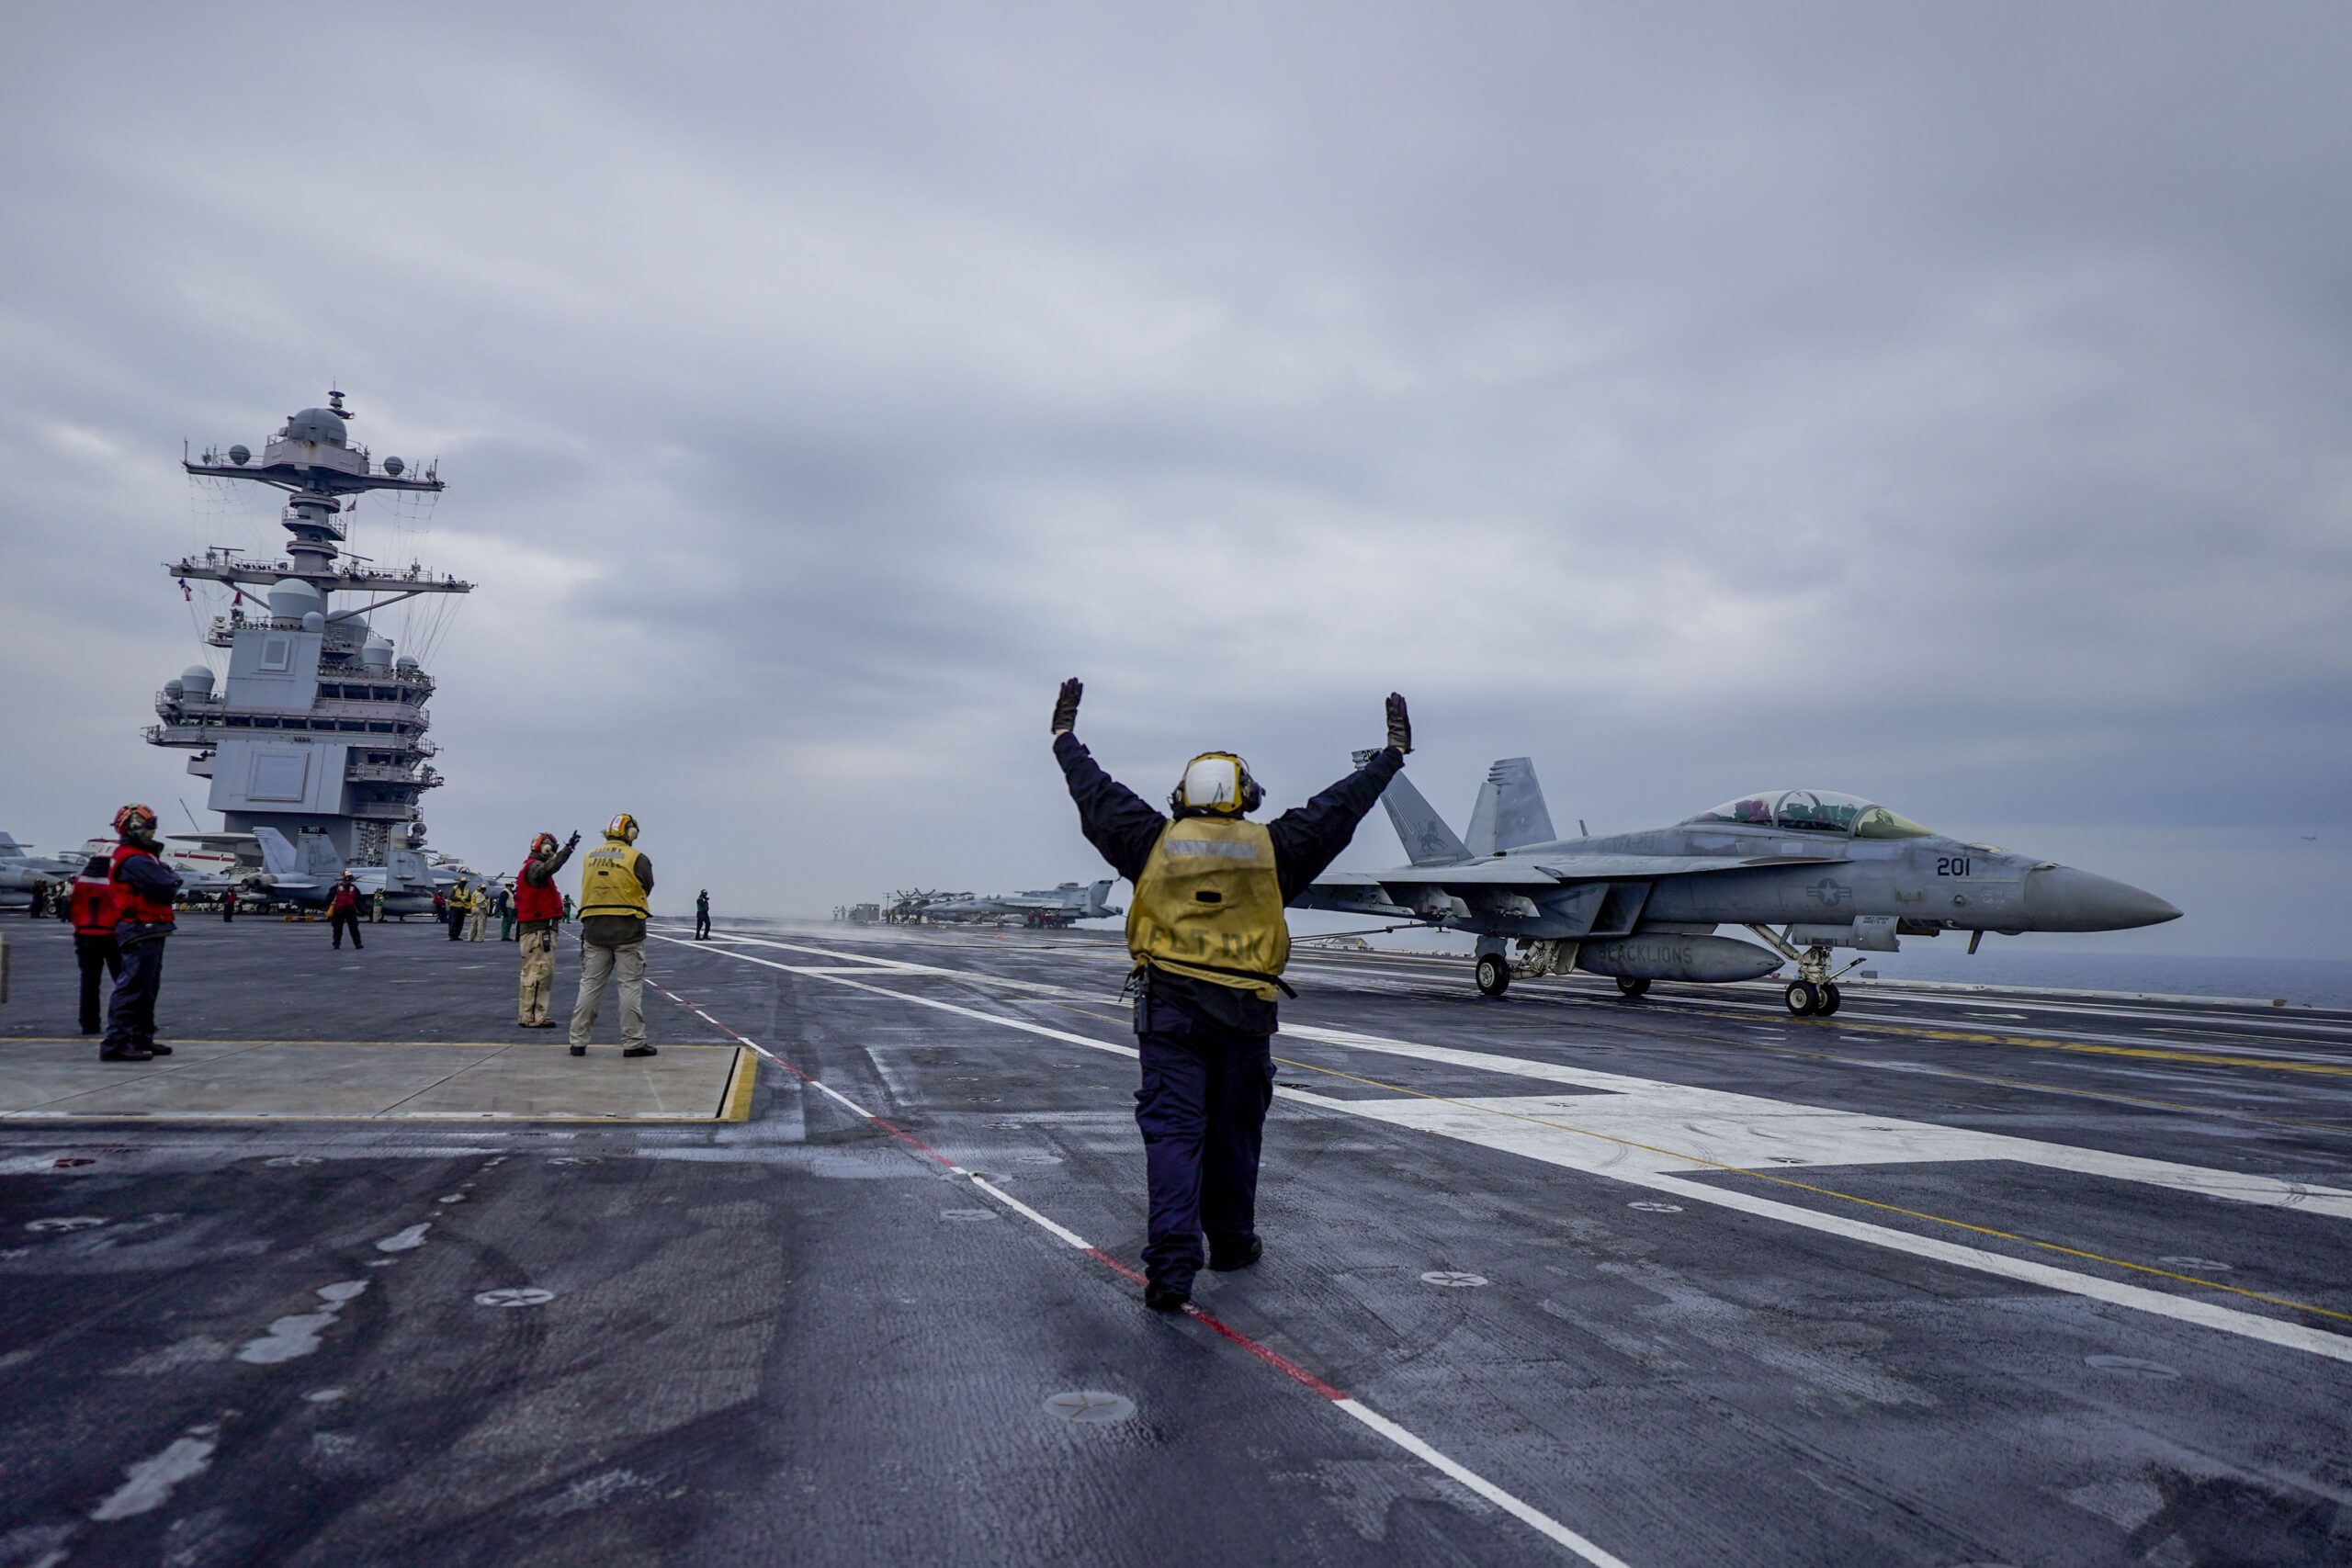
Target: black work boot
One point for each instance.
(1161, 1297)
(640, 1051)
(579, 1050)
(1225, 1259)
(156, 1048)
(124, 1054)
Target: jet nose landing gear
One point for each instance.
(1629, 987)
(1809, 999)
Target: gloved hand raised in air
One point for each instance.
(1400, 724)
(1066, 705)
(573, 842)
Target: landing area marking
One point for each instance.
(1732, 1125)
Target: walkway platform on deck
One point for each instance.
(278, 1080)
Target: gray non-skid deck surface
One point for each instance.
(799, 1337)
(59, 1080)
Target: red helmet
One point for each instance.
(134, 816)
(542, 843)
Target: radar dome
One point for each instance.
(239, 455)
(394, 467)
(405, 663)
(314, 622)
(196, 680)
(290, 599)
(376, 653)
(323, 425)
(174, 689)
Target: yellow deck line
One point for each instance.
(736, 1105)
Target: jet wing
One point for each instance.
(1551, 871)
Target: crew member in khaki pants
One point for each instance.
(538, 905)
(614, 881)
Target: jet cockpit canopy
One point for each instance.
(1813, 811)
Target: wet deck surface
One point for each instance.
(1951, 1278)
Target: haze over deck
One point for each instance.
(1947, 408)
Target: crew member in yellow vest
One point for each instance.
(614, 878)
(1206, 931)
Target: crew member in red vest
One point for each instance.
(90, 905)
(538, 909)
(143, 887)
(343, 910)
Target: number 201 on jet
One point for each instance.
(1952, 865)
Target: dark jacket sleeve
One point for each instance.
(149, 875)
(645, 871)
(1308, 838)
(1115, 819)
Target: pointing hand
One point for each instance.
(573, 842)
(1400, 724)
(1066, 705)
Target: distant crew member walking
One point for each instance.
(143, 887)
(91, 905)
(343, 910)
(702, 914)
(614, 881)
(1207, 932)
(460, 901)
(505, 913)
(539, 907)
(228, 905)
(375, 908)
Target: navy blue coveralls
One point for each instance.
(1208, 1072)
(131, 1012)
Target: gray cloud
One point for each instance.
(1949, 407)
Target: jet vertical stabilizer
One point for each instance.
(277, 857)
(1427, 839)
(1510, 809)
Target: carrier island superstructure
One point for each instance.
(317, 729)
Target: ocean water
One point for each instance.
(2297, 982)
(2318, 983)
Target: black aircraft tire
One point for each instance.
(1803, 999)
(1630, 987)
(1494, 975)
(1832, 1000)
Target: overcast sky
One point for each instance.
(1948, 405)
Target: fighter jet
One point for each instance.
(307, 875)
(1051, 908)
(1829, 871)
(21, 871)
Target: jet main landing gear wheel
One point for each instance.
(1805, 998)
(1629, 987)
(1832, 999)
(1494, 975)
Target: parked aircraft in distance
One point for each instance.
(1830, 871)
(1051, 908)
(307, 875)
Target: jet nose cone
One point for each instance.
(2060, 899)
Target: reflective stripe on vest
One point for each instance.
(131, 903)
(534, 904)
(608, 884)
(1209, 906)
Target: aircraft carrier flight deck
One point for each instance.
(363, 1274)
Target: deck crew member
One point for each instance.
(90, 904)
(1205, 929)
(144, 888)
(228, 905)
(702, 915)
(376, 908)
(460, 902)
(539, 907)
(478, 913)
(343, 910)
(614, 878)
(505, 908)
